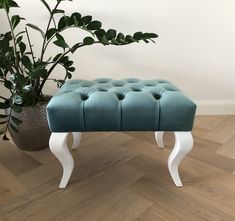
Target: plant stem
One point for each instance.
(3, 98)
(49, 40)
(48, 26)
(30, 45)
(14, 43)
(55, 64)
(49, 72)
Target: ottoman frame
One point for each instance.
(59, 147)
(123, 105)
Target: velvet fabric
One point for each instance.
(120, 105)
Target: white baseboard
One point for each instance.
(215, 107)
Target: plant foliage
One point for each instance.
(25, 75)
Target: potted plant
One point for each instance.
(24, 75)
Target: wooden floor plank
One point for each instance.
(222, 132)
(124, 176)
(54, 202)
(10, 185)
(177, 201)
(227, 149)
(22, 162)
(3, 217)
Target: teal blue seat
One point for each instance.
(120, 105)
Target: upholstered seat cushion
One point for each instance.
(120, 105)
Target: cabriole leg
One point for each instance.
(76, 139)
(183, 145)
(159, 138)
(58, 146)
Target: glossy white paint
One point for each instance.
(77, 136)
(59, 147)
(183, 145)
(159, 138)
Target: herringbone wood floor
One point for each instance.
(124, 176)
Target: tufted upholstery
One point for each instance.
(120, 105)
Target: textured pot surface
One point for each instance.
(34, 132)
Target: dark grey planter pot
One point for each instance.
(34, 132)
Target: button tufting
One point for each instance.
(120, 96)
(84, 97)
(102, 89)
(120, 105)
(157, 96)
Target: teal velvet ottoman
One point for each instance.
(120, 105)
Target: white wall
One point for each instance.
(195, 48)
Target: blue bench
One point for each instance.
(120, 105)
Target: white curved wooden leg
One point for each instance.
(159, 138)
(76, 139)
(58, 146)
(183, 145)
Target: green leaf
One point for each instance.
(120, 36)
(111, 33)
(3, 116)
(15, 20)
(75, 19)
(26, 62)
(59, 37)
(72, 69)
(40, 73)
(36, 28)
(100, 33)
(40, 66)
(16, 120)
(94, 25)
(69, 75)
(64, 60)
(19, 39)
(138, 35)
(13, 128)
(146, 41)
(114, 41)
(1, 73)
(50, 33)
(129, 39)
(46, 5)
(8, 84)
(13, 4)
(123, 42)
(17, 109)
(150, 35)
(68, 63)
(4, 105)
(63, 22)
(57, 11)
(7, 4)
(86, 19)
(61, 43)
(22, 47)
(104, 41)
(88, 41)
